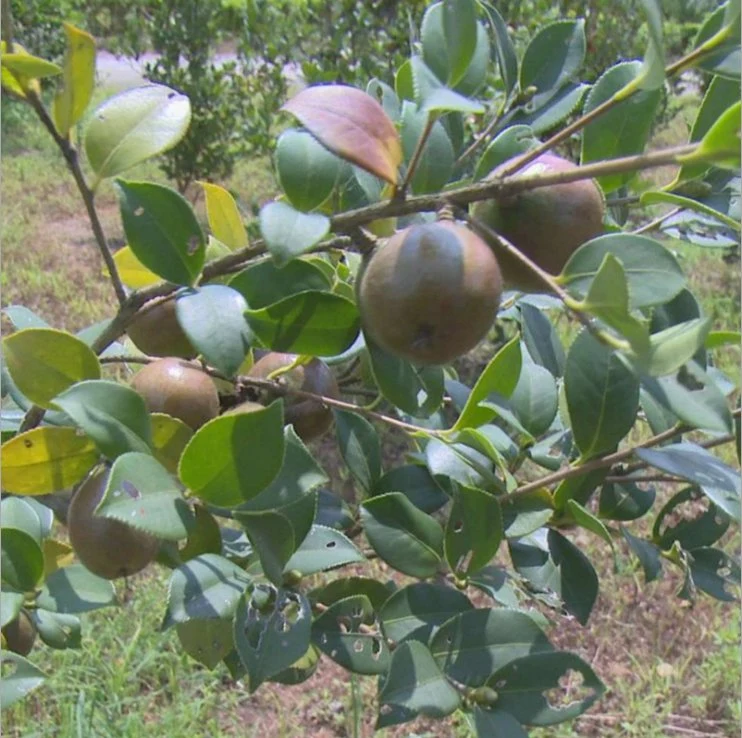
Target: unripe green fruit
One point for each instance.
(20, 634)
(547, 224)
(107, 547)
(176, 388)
(157, 332)
(431, 293)
(310, 418)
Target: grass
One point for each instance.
(671, 671)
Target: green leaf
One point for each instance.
(348, 632)
(460, 463)
(578, 580)
(113, 415)
(602, 396)
(76, 89)
(307, 171)
(507, 59)
(473, 644)
(289, 233)
(277, 534)
(473, 531)
(162, 230)
(719, 482)
(323, 549)
(648, 554)
(169, 437)
(652, 198)
(141, 493)
(725, 59)
(352, 125)
(713, 571)
(234, 457)
(553, 57)
(434, 97)
(435, 167)
(58, 630)
(623, 130)
(134, 126)
(415, 686)
(716, 339)
(10, 606)
(683, 520)
(21, 317)
(74, 589)
(225, 220)
(22, 561)
(653, 66)
(45, 460)
(526, 686)
(265, 283)
(625, 501)
(534, 398)
(403, 536)
(44, 362)
(416, 611)
(23, 679)
(338, 589)
(417, 391)
(213, 318)
(676, 345)
(205, 588)
(497, 722)
(511, 142)
(546, 111)
(25, 67)
(360, 448)
(272, 638)
(204, 536)
(585, 519)
(499, 376)
(414, 482)
(207, 641)
(541, 339)
(653, 274)
(449, 34)
(313, 323)
(493, 581)
(720, 145)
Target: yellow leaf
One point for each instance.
(132, 272)
(45, 460)
(78, 79)
(13, 81)
(169, 437)
(57, 555)
(225, 220)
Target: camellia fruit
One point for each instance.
(20, 634)
(431, 293)
(310, 418)
(107, 547)
(547, 224)
(174, 387)
(157, 332)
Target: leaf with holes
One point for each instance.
(352, 125)
(713, 571)
(686, 520)
(45, 460)
(134, 126)
(323, 549)
(162, 230)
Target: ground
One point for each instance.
(671, 670)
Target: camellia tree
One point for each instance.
(416, 217)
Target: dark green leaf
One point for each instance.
(507, 59)
(323, 549)
(416, 685)
(473, 644)
(546, 111)
(403, 536)
(348, 632)
(541, 339)
(22, 562)
(509, 143)
(234, 457)
(497, 723)
(526, 687)
(653, 274)
(162, 230)
(460, 463)
(57, 630)
(207, 641)
(602, 396)
(579, 488)
(494, 582)
(685, 520)
(624, 500)
(338, 589)
(449, 35)
(274, 637)
(313, 323)
(434, 97)
(213, 318)
(360, 448)
(141, 493)
(721, 483)
(289, 233)
(113, 415)
(534, 398)
(416, 611)
(414, 482)
(648, 554)
(713, 571)
(206, 587)
(578, 580)
(21, 514)
(74, 589)
(725, 60)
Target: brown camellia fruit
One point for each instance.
(20, 634)
(107, 547)
(157, 332)
(431, 293)
(174, 387)
(310, 418)
(548, 224)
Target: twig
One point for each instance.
(621, 478)
(656, 222)
(416, 156)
